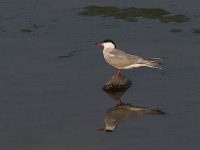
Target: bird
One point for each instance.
(121, 60)
(124, 112)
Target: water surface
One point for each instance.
(50, 102)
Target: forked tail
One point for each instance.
(152, 62)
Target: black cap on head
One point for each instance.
(109, 40)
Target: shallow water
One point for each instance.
(52, 102)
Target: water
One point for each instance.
(51, 102)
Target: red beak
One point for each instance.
(102, 129)
(99, 43)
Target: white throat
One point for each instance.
(108, 45)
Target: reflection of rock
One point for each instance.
(124, 112)
(117, 83)
(116, 95)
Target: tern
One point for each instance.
(121, 60)
(124, 112)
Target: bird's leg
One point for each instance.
(119, 102)
(117, 73)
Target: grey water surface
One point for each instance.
(52, 76)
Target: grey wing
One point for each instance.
(122, 59)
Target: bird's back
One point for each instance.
(120, 59)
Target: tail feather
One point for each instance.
(154, 111)
(152, 62)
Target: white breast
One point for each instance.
(135, 66)
(108, 55)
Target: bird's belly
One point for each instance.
(108, 59)
(134, 66)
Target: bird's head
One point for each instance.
(104, 130)
(110, 126)
(107, 44)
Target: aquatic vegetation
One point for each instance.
(26, 30)
(196, 30)
(176, 30)
(69, 54)
(175, 18)
(36, 29)
(36, 26)
(132, 13)
(98, 10)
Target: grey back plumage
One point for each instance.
(122, 59)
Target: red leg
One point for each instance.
(119, 103)
(117, 73)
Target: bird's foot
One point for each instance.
(119, 103)
(117, 73)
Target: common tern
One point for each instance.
(124, 112)
(121, 60)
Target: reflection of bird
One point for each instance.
(124, 112)
(122, 60)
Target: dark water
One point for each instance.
(50, 102)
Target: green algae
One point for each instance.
(94, 10)
(174, 18)
(176, 30)
(132, 13)
(37, 26)
(36, 29)
(26, 30)
(196, 30)
(69, 54)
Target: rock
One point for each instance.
(117, 83)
